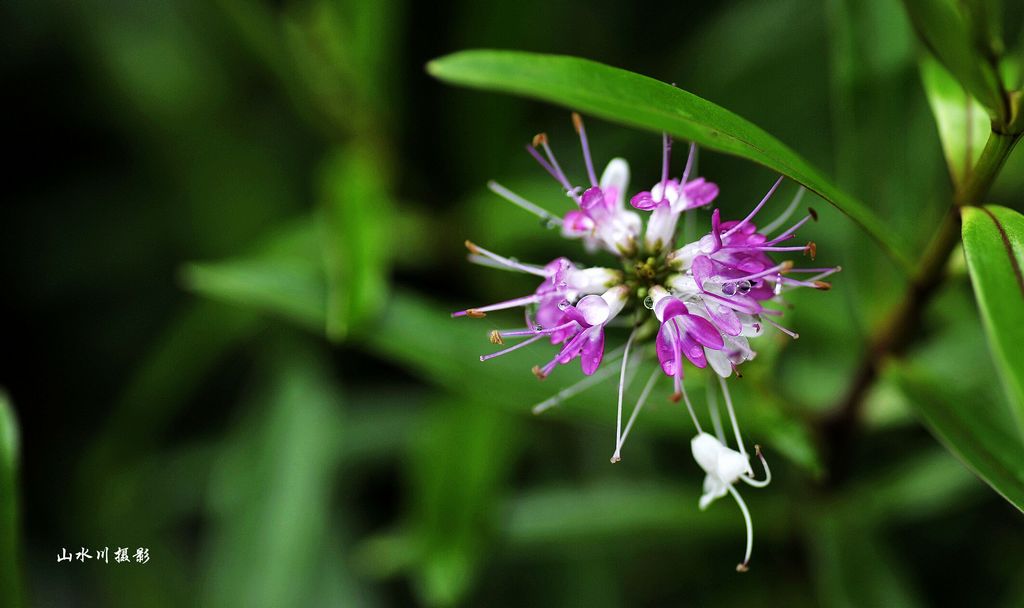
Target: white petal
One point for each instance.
(616, 175)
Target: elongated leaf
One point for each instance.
(942, 27)
(962, 122)
(994, 246)
(270, 495)
(632, 99)
(354, 210)
(285, 277)
(975, 432)
(854, 567)
(10, 564)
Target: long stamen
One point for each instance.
(732, 415)
(511, 348)
(785, 214)
(756, 209)
(789, 232)
(639, 406)
(787, 331)
(479, 260)
(577, 122)
(691, 161)
(750, 481)
(716, 415)
(689, 408)
(744, 566)
(510, 263)
(666, 156)
(622, 388)
(481, 311)
(783, 267)
(522, 203)
(577, 388)
(541, 140)
(512, 333)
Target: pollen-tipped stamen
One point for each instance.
(481, 311)
(510, 349)
(544, 331)
(507, 262)
(750, 481)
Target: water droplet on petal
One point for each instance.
(649, 303)
(729, 289)
(563, 305)
(744, 287)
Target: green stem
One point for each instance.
(896, 333)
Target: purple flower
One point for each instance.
(699, 304)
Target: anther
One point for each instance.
(786, 266)
(537, 371)
(813, 213)
(496, 337)
(811, 249)
(472, 247)
(822, 285)
(675, 397)
(577, 122)
(742, 567)
(540, 139)
(475, 314)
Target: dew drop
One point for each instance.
(563, 305)
(649, 303)
(729, 289)
(744, 287)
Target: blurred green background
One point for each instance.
(232, 236)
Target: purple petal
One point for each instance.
(672, 308)
(694, 352)
(577, 223)
(702, 268)
(701, 330)
(644, 201)
(663, 345)
(699, 193)
(725, 318)
(593, 351)
(592, 197)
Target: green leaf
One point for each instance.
(962, 122)
(271, 495)
(10, 562)
(632, 99)
(284, 277)
(973, 431)
(854, 567)
(942, 27)
(994, 246)
(354, 209)
(458, 467)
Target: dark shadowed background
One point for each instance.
(231, 236)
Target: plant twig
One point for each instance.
(897, 332)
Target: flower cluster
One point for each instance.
(700, 302)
